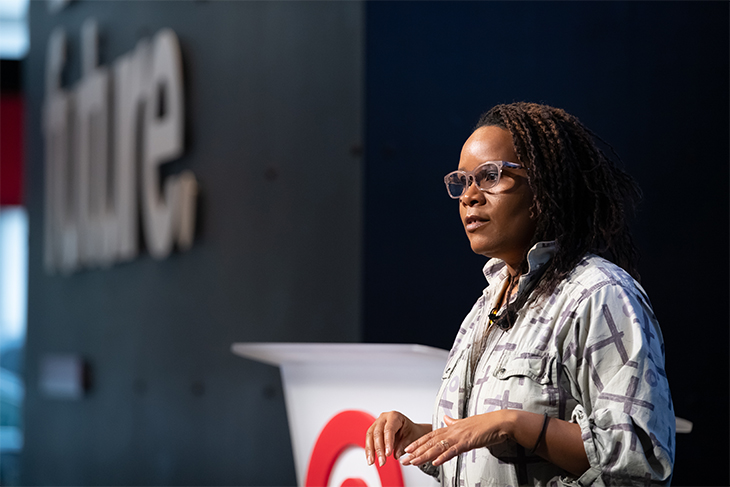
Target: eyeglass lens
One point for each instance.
(485, 176)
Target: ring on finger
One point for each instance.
(444, 444)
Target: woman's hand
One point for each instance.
(389, 434)
(561, 445)
(459, 436)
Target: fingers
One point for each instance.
(437, 451)
(449, 453)
(433, 434)
(381, 435)
(437, 447)
(374, 444)
(388, 438)
(369, 445)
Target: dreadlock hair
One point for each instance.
(581, 198)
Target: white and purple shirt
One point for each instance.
(592, 353)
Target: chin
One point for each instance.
(481, 249)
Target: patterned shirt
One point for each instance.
(592, 353)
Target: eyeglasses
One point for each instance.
(485, 176)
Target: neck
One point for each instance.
(514, 268)
(510, 287)
(514, 274)
(514, 278)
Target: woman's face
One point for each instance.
(497, 221)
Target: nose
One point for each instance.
(472, 196)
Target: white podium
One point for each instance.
(333, 391)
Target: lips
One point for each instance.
(473, 222)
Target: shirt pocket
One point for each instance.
(535, 366)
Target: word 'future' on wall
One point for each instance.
(104, 137)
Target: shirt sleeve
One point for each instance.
(625, 412)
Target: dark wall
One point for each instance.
(274, 124)
(651, 78)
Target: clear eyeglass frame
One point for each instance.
(485, 175)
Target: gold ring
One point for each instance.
(444, 444)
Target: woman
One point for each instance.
(557, 375)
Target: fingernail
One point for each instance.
(381, 461)
(406, 460)
(370, 459)
(387, 451)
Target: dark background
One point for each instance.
(304, 237)
(651, 78)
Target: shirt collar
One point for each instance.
(540, 254)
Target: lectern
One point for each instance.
(333, 391)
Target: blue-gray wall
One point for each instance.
(274, 106)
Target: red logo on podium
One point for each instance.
(344, 430)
